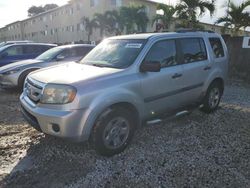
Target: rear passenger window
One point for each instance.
(32, 49)
(163, 52)
(217, 47)
(193, 50)
(14, 50)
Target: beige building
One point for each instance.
(63, 24)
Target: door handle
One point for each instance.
(207, 68)
(176, 75)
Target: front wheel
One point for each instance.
(113, 131)
(212, 98)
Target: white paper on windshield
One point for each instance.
(133, 45)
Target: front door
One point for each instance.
(161, 90)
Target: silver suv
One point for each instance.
(124, 81)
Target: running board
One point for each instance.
(160, 120)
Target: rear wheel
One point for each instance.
(212, 98)
(113, 131)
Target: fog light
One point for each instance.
(55, 128)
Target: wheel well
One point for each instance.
(220, 82)
(24, 74)
(131, 108)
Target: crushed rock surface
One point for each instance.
(197, 150)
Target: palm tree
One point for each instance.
(114, 22)
(190, 10)
(133, 17)
(101, 21)
(141, 19)
(90, 25)
(236, 17)
(167, 18)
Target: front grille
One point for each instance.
(33, 90)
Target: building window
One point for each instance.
(78, 6)
(71, 11)
(93, 3)
(52, 32)
(78, 27)
(113, 2)
(116, 3)
(81, 27)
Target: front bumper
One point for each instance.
(70, 123)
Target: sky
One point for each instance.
(14, 10)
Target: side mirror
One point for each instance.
(60, 57)
(150, 66)
(3, 55)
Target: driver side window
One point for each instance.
(163, 52)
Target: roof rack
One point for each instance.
(193, 30)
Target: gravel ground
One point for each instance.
(197, 150)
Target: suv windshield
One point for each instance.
(49, 54)
(114, 53)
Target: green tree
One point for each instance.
(34, 10)
(167, 18)
(237, 18)
(141, 19)
(114, 22)
(190, 10)
(102, 22)
(89, 25)
(134, 18)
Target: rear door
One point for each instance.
(32, 51)
(162, 90)
(195, 64)
(11, 54)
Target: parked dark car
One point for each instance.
(14, 42)
(18, 52)
(14, 74)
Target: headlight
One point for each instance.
(58, 94)
(11, 71)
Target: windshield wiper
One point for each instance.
(102, 65)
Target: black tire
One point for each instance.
(101, 135)
(21, 81)
(209, 104)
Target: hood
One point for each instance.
(18, 64)
(71, 73)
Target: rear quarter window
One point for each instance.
(217, 47)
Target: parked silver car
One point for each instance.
(14, 74)
(125, 81)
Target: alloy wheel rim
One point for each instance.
(214, 98)
(116, 133)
